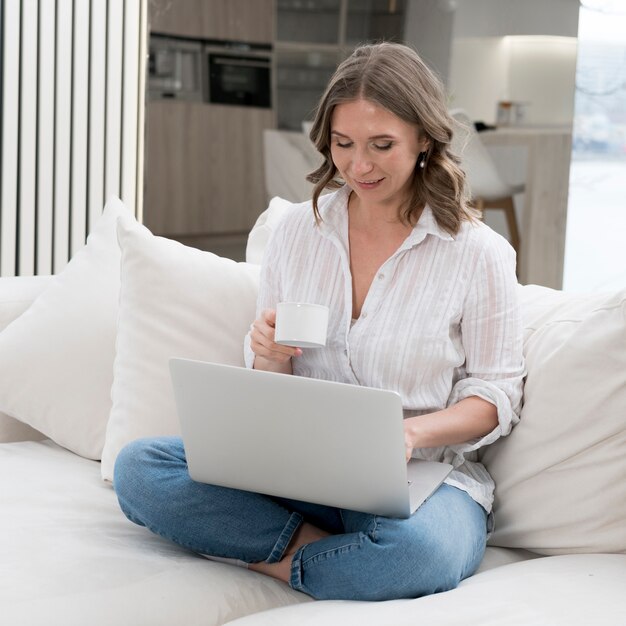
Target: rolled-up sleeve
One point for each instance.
(491, 333)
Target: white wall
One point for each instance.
(428, 27)
(514, 50)
(539, 70)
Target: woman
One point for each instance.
(423, 302)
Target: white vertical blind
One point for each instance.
(28, 137)
(10, 143)
(63, 134)
(80, 102)
(97, 101)
(132, 28)
(45, 136)
(115, 43)
(72, 77)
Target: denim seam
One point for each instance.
(336, 550)
(284, 538)
(374, 532)
(298, 563)
(296, 571)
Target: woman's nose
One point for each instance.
(361, 163)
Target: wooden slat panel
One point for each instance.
(10, 113)
(97, 101)
(130, 95)
(28, 138)
(62, 145)
(115, 42)
(80, 101)
(45, 137)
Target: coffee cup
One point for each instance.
(301, 324)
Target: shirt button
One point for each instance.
(363, 314)
(381, 277)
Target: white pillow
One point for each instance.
(264, 227)
(56, 359)
(17, 294)
(561, 474)
(174, 301)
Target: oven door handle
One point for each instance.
(240, 62)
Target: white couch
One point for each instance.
(83, 366)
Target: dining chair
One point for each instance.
(487, 188)
(288, 158)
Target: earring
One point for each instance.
(421, 160)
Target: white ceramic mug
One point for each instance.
(301, 325)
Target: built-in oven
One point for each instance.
(239, 75)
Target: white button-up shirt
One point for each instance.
(440, 322)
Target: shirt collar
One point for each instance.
(426, 225)
(333, 210)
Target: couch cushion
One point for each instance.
(56, 360)
(16, 295)
(175, 301)
(573, 590)
(70, 557)
(560, 474)
(263, 229)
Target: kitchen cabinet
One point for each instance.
(204, 168)
(313, 36)
(204, 177)
(251, 21)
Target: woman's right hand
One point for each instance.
(270, 356)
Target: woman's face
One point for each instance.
(375, 151)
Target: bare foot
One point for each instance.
(306, 533)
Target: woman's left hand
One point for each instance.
(409, 437)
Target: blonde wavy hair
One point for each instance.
(394, 77)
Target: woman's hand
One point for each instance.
(409, 437)
(270, 356)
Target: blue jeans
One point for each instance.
(368, 557)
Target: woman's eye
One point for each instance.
(384, 146)
(343, 145)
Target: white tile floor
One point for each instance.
(595, 247)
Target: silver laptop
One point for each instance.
(301, 438)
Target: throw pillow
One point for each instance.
(559, 476)
(264, 227)
(56, 359)
(174, 301)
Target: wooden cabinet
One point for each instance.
(238, 20)
(204, 168)
(204, 175)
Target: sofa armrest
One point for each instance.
(16, 295)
